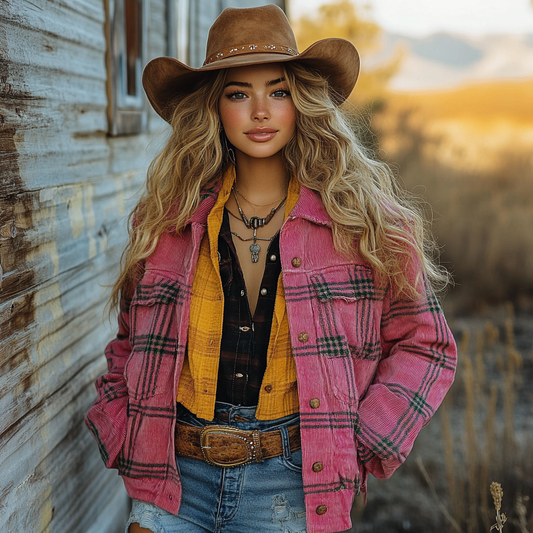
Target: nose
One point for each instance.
(260, 111)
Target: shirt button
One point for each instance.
(273, 257)
(264, 292)
(268, 388)
(296, 262)
(303, 337)
(244, 328)
(318, 467)
(239, 375)
(242, 292)
(314, 403)
(321, 509)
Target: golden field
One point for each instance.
(468, 152)
(482, 102)
(468, 155)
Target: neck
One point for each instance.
(262, 180)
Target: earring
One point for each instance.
(229, 151)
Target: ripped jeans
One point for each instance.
(258, 497)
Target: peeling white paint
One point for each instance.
(75, 212)
(120, 201)
(48, 312)
(90, 219)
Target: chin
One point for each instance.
(261, 154)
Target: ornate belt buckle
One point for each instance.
(241, 446)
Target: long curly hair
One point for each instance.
(371, 216)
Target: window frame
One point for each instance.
(178, 20)
(127, 114)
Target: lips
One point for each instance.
(261, 134)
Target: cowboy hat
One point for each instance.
(250, 36)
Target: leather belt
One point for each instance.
(228, 446)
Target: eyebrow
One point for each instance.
(248, 85)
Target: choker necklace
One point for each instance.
(256, 222)
(251, 203)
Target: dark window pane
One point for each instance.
(133, 43)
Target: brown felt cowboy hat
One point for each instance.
(251, 36)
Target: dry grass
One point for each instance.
(485, 445)
(469, 154)
(482, 433)
(496, 492)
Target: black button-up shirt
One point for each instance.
(245, 339)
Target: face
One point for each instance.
(257, 111)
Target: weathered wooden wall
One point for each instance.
(65, 191)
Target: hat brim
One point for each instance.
(165, 78)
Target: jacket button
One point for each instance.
(296, 262)
(322, 509)
(303, 337)
(314, 403)
(268, 388)
(318, 467)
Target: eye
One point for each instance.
(281, 93)
(236, 96)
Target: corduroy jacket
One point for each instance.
(371, 369)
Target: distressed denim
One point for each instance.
(259, 497)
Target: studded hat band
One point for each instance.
(251, 49)
(242, 37)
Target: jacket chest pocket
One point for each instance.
(348, 340)
(150, 368)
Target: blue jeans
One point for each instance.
(256, 497)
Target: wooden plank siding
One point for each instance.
(66, 188)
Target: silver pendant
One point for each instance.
(254, 249)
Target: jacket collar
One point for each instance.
(310, 207)
(209, 197)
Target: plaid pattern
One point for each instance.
(244, 352)
(198, 383)
(371, 369)
(359, 284)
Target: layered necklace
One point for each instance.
(253, 223)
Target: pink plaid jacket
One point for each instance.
(371, 370)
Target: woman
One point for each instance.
(278, 337)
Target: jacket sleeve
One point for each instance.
(107, 417)
(415, 372)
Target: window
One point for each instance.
(178, 29)
(126, 59)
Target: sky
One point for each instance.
(423, 17)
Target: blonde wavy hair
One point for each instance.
(358, 192)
